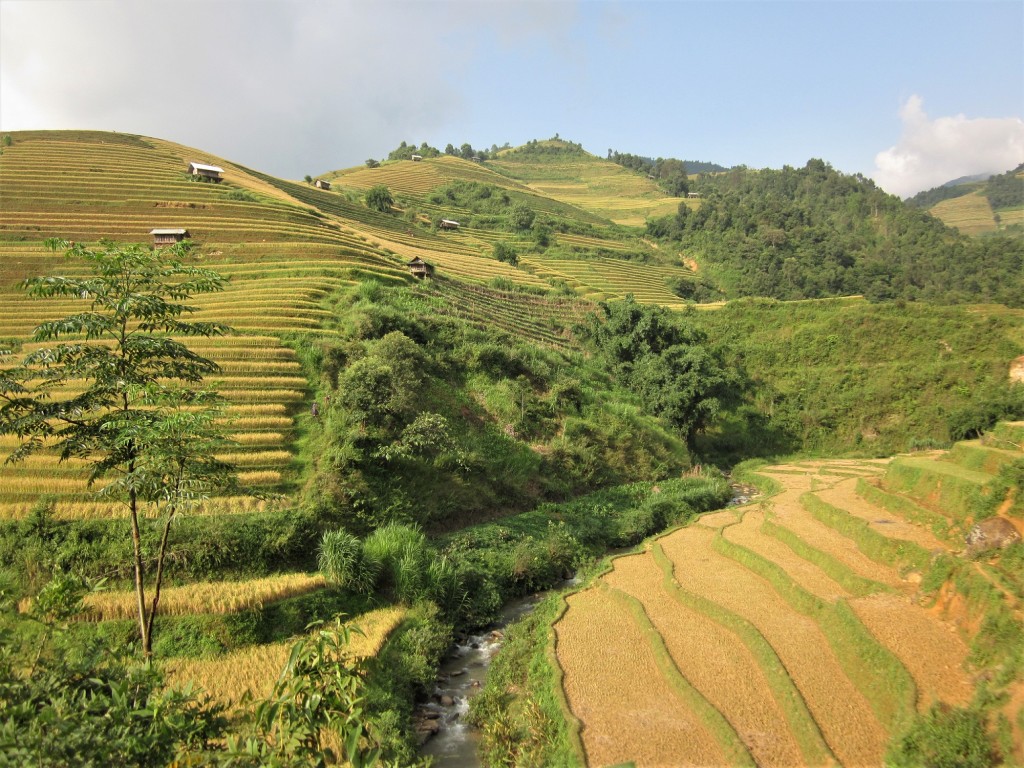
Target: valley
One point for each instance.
(590, 365)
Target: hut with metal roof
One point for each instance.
(162, 237)
(203, 171)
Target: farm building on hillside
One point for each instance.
(448, 224)
(420, 268)
(162, 237)
(693, 195)
(204, 171)
(321, 184)
(417, 158)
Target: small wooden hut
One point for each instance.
(322, 184)
(420, 268)
(417, 158)
(162, 237)
(448, 224)
(693, 195)
(203, 171)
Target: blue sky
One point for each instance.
(909, 93)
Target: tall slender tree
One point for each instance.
(140, 420)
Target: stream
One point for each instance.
(463, 672)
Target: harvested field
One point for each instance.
(747, 533)
(842, 712)
(603, 655)
(812, 651)
(715, 661)
(789, 512)
(932, 651)
(254, 670)
(844, 496)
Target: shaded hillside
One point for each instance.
(833, 376)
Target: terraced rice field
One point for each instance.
(282, 259)
(784, 632)
(604, 279)
(219, 597)
(254, 670)
(264, 385)
(418, 179)
(970, 213)
(603, 188)
(542, 320)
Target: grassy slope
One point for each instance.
(973, 215)
(837, 375)
(596, 185)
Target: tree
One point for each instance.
(669, 363)
(308, 179)
(371, 163)
(379, 198)
(506, 253)
(139, 419)
(520, 216)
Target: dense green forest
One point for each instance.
(811, 232)
(1006, 190)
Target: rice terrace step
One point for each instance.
(778, 622)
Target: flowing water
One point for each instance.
(462, 674)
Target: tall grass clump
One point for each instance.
(395, 561)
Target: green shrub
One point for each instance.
(340, 558)
(944, 737)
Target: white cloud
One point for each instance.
(286, 86)
(933, 151)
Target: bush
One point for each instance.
(520, 216)
(506, 253)
(340, 558)
(944, 737)
(379, 198)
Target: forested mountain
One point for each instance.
(811, 232)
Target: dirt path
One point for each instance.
(614, 687)
(714, 661)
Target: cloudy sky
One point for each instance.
(911, 93)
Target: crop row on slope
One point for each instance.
(258, 397)
(600, 279)
(820, 644)
(254, 670)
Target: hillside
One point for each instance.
(565, 172)
(812, 232)
(978, 207)
(453, 442)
